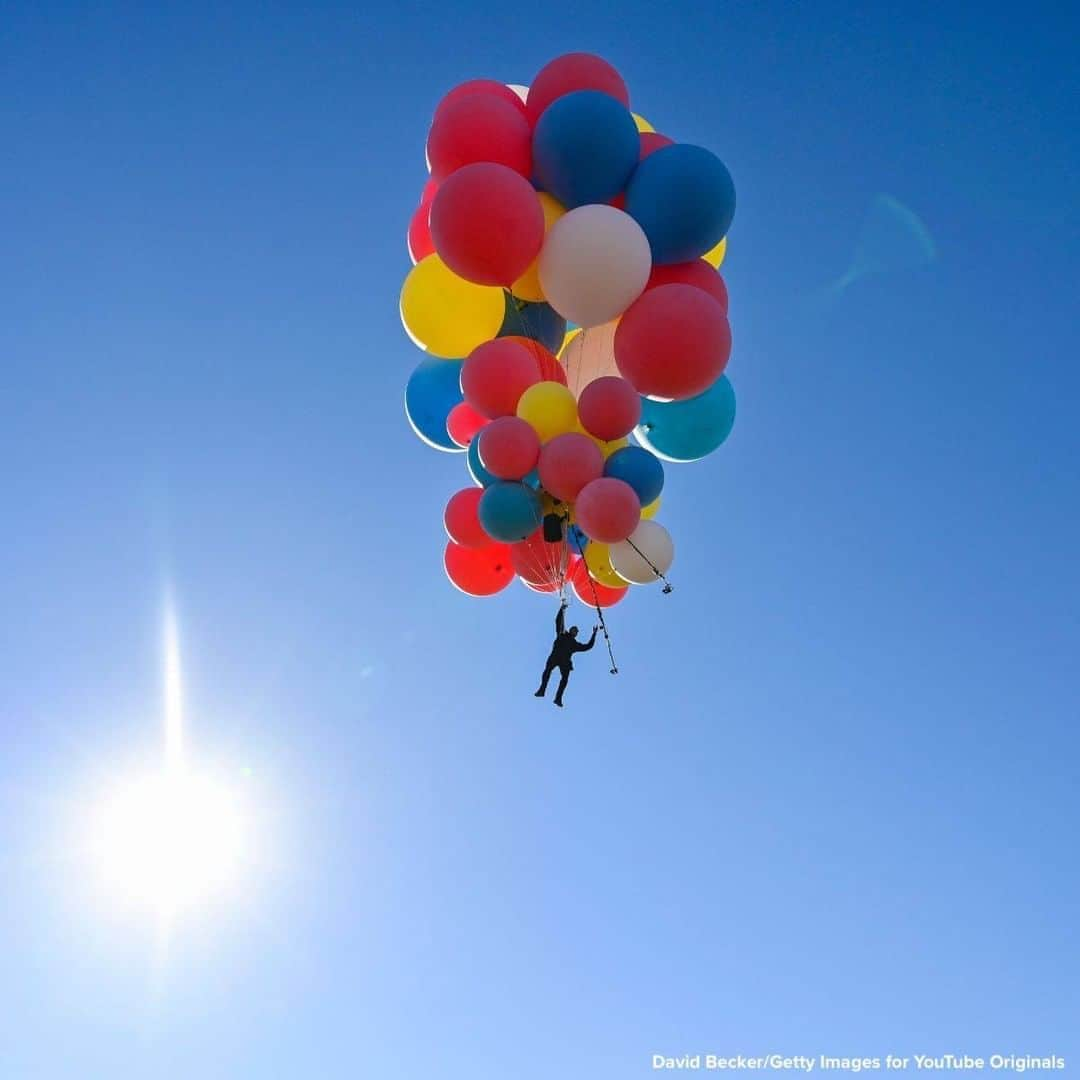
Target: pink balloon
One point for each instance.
(651, 141)
(697, 273)
(487, 224)
(463, 423)
(608, 510)
(569, 462)
(481, 571)
(462, 521)
(479, 127)
(509, 448)
(573, 71)
(673, 342)
(480, 86)
(609, 408)
(496, 374)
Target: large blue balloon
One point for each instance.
(481, 477)
(585, 147)
(434, 388)
(688, 430)
(683, 198)
(639, 469)
(509, 511)
(538, 322)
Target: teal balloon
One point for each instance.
(509, 511)
(638, 468)
(481, 477)
(434, 388)
(688, 430)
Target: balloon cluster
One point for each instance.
(566, 290)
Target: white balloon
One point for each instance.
(654, 543)
(594, 264)
(589, 355)
(521, 91)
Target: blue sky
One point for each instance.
(829, 804)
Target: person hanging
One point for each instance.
(563, 649)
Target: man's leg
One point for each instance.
(565, 672)
(548, 669)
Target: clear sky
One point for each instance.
(830, 802)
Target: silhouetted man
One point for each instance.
(562, 651)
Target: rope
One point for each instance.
(596, 604)
(652, 566)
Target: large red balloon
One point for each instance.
(478, 571)
(569, 462)
(487, 224)
(463, 423)
(428, 192)
(509, 448)
(481, 86)
(462, 520)
(539, 563)
(496, 374)
(651, 141)
(592, 592)
(697, 273)
(609, 408)
(479, 127)
(673, 342)
(573, 71)
(550, 368)
(608, 510)
(420, 243)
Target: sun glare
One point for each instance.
(170, 840)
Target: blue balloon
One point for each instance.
(509, 511)
(434, 388)
(585, 148)
(576, 540)
(688, 430)
(683, 198)
(481, 477)
(639, 469)
(538, 322)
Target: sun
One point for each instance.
(169, 840)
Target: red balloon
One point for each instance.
(420, 243)
(592, 592)
(478, 571)
(672, 342)
(509, 448)
(619, 202)
(651, 141)
(497, 373)
(430, 187)
(697, 273)
(487, 224)
(463, 423)
(538, 563)
(569, 462)
(540, 587)
(479, 127)
(608, 510)
(550, 368)
(609, 408)
(462, 520)
(481, 86)
(574, 71)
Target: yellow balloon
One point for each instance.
(567, 338)
(609, 448)
(527, 287)
(550, 408)
(598, 560)
(446, 315)
(648, 512)
(642, 123)
(715, 256)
